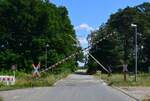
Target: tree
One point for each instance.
(120, 47)
(26, 26)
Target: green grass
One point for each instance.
(24, 80)
(1, 99)
(143, 79)
(146, 100)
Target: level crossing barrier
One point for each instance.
(76, 53)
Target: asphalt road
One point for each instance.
(75, 87)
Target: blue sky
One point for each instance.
(88, 15)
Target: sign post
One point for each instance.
(13, 67)
(36, 72)
(125, 70)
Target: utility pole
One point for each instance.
(46, 47)
(136, 49)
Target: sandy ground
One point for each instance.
(138, 92)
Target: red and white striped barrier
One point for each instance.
(76, 53)
(8, 80)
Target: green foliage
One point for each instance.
(146, 100)
(1, 99)
(7, 58)
(26, 26)
(119, 48)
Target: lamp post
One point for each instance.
(136, 49)
(47, 45)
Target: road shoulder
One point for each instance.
(138, 92)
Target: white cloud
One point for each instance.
(83, 41)
(82, 32)
(84, 26)
(81, 64)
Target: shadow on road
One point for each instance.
(80, 73)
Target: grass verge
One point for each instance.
(143, 80)
(146, 100)
(1, 99)
(24, 80)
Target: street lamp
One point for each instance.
(136, 51)
(2, 46)
(47, 45)
(142, 47)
